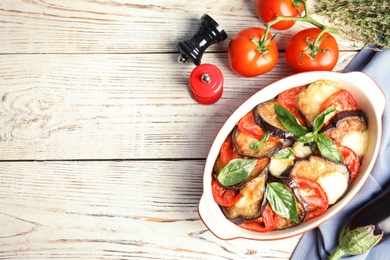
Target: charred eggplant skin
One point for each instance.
(242, 142)
(344, 115)
(266, 117)
(251, 205)
(376, 212)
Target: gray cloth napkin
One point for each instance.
(320, 242)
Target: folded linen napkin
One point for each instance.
(320, 242)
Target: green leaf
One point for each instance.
(323, 117)
(308, 138)
(236, 171)
(328, 148)
(282, 201)
(289, 121)
(260, 143)
(285, 153)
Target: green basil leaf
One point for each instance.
(236, 171)
(282, 201)
(328, 148)
(323, 117)
(285, 153)
(259, 144)
(308, 138)
(289, 121)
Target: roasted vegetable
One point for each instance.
(238, 172)
(277, 200)
(333, 177)
(366, 228)
(349, 128)
(247, 145)
(268, 120)
(313, 195)
(250, 205)
(310, 99)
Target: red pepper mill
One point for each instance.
(206, 83)
(206, 80)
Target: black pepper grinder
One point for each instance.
(208, 33)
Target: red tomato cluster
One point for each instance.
(252, 54)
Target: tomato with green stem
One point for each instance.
(312, 49)
(267, 10)
(251, 54)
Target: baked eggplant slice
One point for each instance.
(310, 99)
(244, 145)
(267, 119)
(250, 205)
(332, 176)
(349, 128)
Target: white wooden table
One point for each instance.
(102, 146)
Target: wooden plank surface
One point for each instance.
(120, 26)
(112, 210)
(113, 106)
(102, 146)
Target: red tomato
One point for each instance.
(299, 61)
(228, 152)
(247, 125)
(351, 160)
(268, 9)
(224, 197)
(314, 196)
(288, 100)
(246, 58)
(342, 100)
(265, 223)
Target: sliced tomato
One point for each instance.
(223, 196)
(315, 197)
(228, 152)
(247, 125)
(262, 162)
(265, 223)
(342, 100)
(352, 161)
(288, 99)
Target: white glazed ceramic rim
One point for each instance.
(370, 98)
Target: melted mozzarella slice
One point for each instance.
(277, 166)
(335, 184)
(357, 141)
(311, 98)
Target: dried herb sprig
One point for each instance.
(367, 21)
